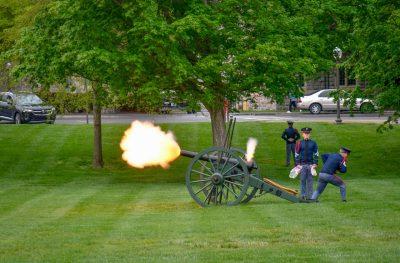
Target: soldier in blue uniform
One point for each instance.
(290, 135)
(292, 103)
(332, 163)
(306, 156)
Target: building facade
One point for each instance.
(325, 80)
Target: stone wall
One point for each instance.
(258, 102)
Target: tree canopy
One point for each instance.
(74, 38)
(209, 51)
(15, 15)
(77, 38)
(376, 50)
(206, 51)
(201, 51)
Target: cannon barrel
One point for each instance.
(250, 165)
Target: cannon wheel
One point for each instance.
(217, 181)
(251, 191)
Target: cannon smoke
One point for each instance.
(251, 148)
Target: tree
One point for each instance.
(209, 51)
(14, 16)
(76, 38)
(376, 53)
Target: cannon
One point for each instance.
(222, 176)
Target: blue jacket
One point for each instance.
(306, 152)
(333, 162)
(290, 133)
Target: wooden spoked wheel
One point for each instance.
(217, 176)
(251, 191)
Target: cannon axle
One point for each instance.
(215, 158)
(217, 179)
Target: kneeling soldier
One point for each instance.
(306, 156)
(332, 163)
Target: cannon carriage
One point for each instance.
(223, 176)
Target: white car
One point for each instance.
(322, 101)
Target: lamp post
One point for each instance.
(337, 54)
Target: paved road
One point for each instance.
(357, 118)
(126, 118)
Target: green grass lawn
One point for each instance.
(54, 207)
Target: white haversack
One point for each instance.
(295, 172)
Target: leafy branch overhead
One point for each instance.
(225, 49)
(375, 53)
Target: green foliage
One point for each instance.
(368, 32)
(349, 97)
(67, 102)
(390, 123)
(226, 49)
(73, 38)
(376, 54)
(137, 100)
(201, 52)
(14, 16)
(205, 50)
(71, 102)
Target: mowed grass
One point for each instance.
(55, 207)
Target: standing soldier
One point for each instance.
(292, 103)
(332, 163)
(306, 157)
(290, 135)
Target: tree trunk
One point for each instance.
(97, 146)
(217, 116)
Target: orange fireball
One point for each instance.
(145, 144)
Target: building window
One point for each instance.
(342, 77)
(327, 81)
(346, 78)
(351, 81)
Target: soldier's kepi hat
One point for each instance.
(344, 149)
(306, 130)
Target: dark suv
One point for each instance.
(25, 107)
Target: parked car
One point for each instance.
(323, 101)
(25, 108)
(168, 106)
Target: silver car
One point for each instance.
(322, 101)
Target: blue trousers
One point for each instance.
(324, 179)
(290, 151)
(292, 105)
(306, 181)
